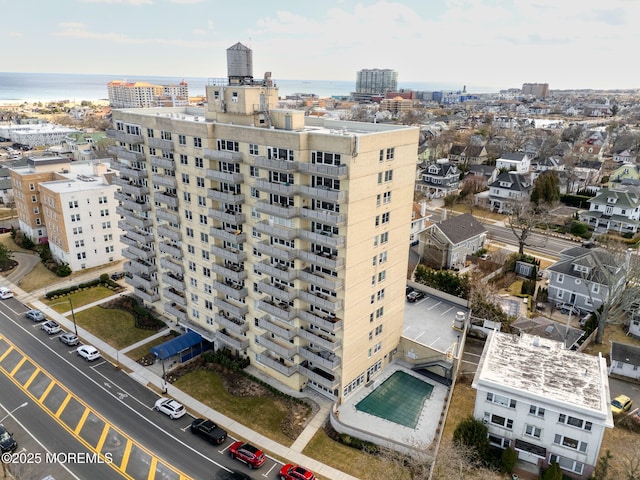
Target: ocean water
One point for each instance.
(29, 87)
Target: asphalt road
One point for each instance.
(113, 398)
(537, 243)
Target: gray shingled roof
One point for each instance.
(622, 352)
(461, 228)
(518, 182)
(517, 156)
(547, 328)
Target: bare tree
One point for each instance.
(524, 216)
(456, 462)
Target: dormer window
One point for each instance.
(611, 200)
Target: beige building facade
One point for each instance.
(278, 236)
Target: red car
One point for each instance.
(295, 472)
(252, 456)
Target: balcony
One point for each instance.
(161, 162)
(235, 272)
(279, 309)
(231, 254)
(283, 211)
(275, 230)
(319, 280)
(136, 205)
(175, 281)
(323, 259)
(276, 364)
(318, 376)
(149, 297)
(136, 173)
(227, 177)
(133, 188)
(123, 153)
(320, 300)
(134, 221)
(169, 200)
(147, 282)
(280, 347)
(323, 193)
(232, 324)
(175, 310)
(141, 253)
(320, 357)
(229, 216)
(281, 253)
(238, 343)
(277, 290)
(277, 270)
(173, 267)
(266, 185)
(323, 238)
(164, 180)
(169, 232)
(334, 171)
(321, 340)
(223, 155)
(287, 332)
(329, 323)
(121, 136)
(174, 296)
(236, 310)
(232, 236)
(232, 290)
(140, 266)
(324, 216)
(164, 145)
(174, 251)
(168, 216)
(276, 164)
(123, 211)
(139, 236)
(226, 196)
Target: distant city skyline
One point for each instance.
(498, 43)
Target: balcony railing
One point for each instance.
(335, 171)
(323, 238)
(168, 216)
(327, 322)
(142, 253)
(320, 340)
(283, 211)
(282, 367)
(276, 230)
(174, 296)
(236, 325)
(323, 193)
(133, 173)
(175, 281)
(263, 184)
(136, 205)
(234, 272)
(324, 216)
(135, 221)
(149, 297)
(232, 290)
(123, 153)
(175, 310)
(319, 300)
(139, 236)
(278, 271)
(170, 200)
(285, 349)
(277, 252)
(168, 264)
(318, 375)
(277, 290)
(320, 357)
(132, 188)
(223, 155)
(322, 259)
(276, 164)
(164, 145)
(225, 196)
(233, 236)
(237, 310)
(161, 162)
(280, 309)
(228, 253)
(238, 343)
(169, 232)
(121, 136)
(273, 326)
(172, 250)
(142, 280)
(228, 216)
(228, 177)
(139, 267)
(316, 278)
(164, 180)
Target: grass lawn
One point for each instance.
(39, 277)
(79, 299)
(8, 242)
(262, 414)
(463, 400)
(116, 327)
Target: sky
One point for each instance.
(496, 43)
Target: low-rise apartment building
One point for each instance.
(548, 403)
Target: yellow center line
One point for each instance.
(83, 418)
(2, 357)
(63, 405)
(31, 378)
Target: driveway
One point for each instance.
(26, 263)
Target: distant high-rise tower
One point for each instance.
(375, 82)
(538, 90)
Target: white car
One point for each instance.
(51, 327)
(5, 293)
(88, 352)
(170, 407)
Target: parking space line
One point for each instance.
(18, 365)
(83, 418)
(63, 405)
(447, 311)
(153, 464)
(32, 377)
(103, 436)
(434, 306)
(125, 456)
(7, 352)
(47, 390)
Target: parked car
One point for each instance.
(5, 229)
(408, 290)
(252, 456)
(170, 407)
(88, 352)
(295, 472)
(567, 308)
(70, 339)
(51, 327)
(621, 404)
(5, 293)
(233, 475)
(35, 315)
(7, 442)
(415, 296)
(208, 430)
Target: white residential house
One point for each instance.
(616, 209)
(625, 156)
(508, 188)
(583, 277)
(439, 179)
(419, 221)
(548, 403)
(517, 161)
(625, 360)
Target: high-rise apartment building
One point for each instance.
(538, 90)
(375, 82)
(279, 236)
(71, 205)
(124, 94)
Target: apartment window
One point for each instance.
(501, 400)
(378, 200)
(32, 187)
(81, 255)
(197, 142)
(199, 162)
(502, 421)
(377, 222)
(188, 215)
(254, 172)
(253, 149)
(533, 431)
(165, 135)
(537, 411)
(189, 232)
(34, 198)
(106, 225)
(186, 196)
(381, 157)
(388, 175)
(560, 278)
(378, 330)
(567, 463)
(570, 443)
(191, 249)
(255, 193)
(109, 249)
(79, 243)
(234, 97)
(184, 160)
(228, 145)
(203, 219)
(73, 204)
(374, 260)
(150, 132)
(380, 312)
(182, 139)
(384, 237)
(380, 294)
(102, 200)
(192, 266)
(325, 158)
(208, 304)
(36, 210)
(75, 217)
(373, 280)
(185, 178)
(200, 182)
(206, 271)
(108, 237)
(77, 230)
(204, 237)
(386, 197)
(38, 221)
(104, 213)
(202, 201)
(391, 153)
(382, 276)
(385, 217)
(205, 253)
(208, 289)
(382, 258)
(377, 347)
(574, 422)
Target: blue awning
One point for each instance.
(176, 345)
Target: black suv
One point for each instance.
(208, 430)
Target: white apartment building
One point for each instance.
(279, 236)
(123, 94)
(72, 206)
(550, 404)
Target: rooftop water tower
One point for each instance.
(240, 65)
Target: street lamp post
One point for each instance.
(73, 315)
(9, 414)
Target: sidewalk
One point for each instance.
(147, 377)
